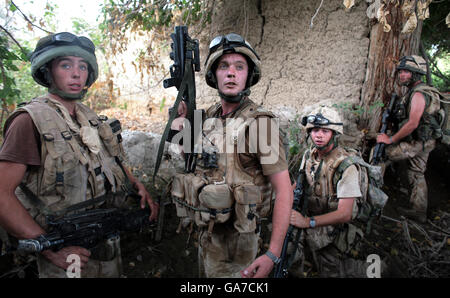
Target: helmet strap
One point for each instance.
(333, 140)
(237, 98)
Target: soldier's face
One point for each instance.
(404, 77)
(231, 74)
(321, 136)
(69, 74)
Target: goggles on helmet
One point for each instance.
(228, 41)
(319, 120)
(65, 38)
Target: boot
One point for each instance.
(413, 214)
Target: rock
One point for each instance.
(141, 150)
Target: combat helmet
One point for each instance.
(324, 117)
(59, 45)
(413, 63)
(232, 43)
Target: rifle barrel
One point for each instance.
(378, 151)
(281, 269)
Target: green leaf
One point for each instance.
(163, 103)
(12, 7)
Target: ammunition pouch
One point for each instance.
(201, 202)
(429, 128)
(177, 193)
(110, 131)
(248, 198)
(207, 204)
(61, 168)
(217, 200)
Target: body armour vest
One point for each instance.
(320, 178)
(236, 184)
(428, 124)
(77, 160)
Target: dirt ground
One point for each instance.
(412, 250)
(427, 256)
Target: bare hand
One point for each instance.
(177, 123)
(260, 268)
(182, 109)
(145, 197)
(384, 138)
(59, 258)
(298, 220)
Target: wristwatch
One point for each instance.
(276, 260)
(312, 222)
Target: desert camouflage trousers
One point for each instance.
(225, 252)
(416, 152)
(328, 250)
(332, 263)
(105, 262)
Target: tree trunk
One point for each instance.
(385, 50)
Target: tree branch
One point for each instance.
(12, 37)
(28, 20)
(438, 73)
(427, 60)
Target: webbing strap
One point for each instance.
(426, 88)
(211, 211)
(33, 198)
(348, 161)
(184, 84)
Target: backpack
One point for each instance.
(373, 198)
(439, 123)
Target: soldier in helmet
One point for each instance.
(229, 200)
(329, 233)
(58, 152)
(417, 133)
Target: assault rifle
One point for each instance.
(378, 151)
(186, 57)
(281, 269)
(86, 228)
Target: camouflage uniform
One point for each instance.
(228, 201)
(329, 247)
(416, 147)
(416, 153)
(78, 159)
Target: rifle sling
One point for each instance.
(31, 196)
(184, 84)
(71, 208)
(299, 233)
